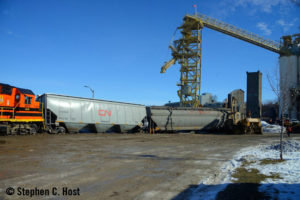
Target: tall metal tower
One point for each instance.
(187, 51)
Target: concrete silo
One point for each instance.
(290, 77)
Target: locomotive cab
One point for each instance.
(19, 112)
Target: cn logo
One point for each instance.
(103, 113)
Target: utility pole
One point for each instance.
(93, 91)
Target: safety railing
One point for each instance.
(15, 109)
(236, 32)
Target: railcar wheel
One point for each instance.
(50, 131)
(61, 130)
(33, 130)
(14, 130)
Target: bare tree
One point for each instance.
(279, 85)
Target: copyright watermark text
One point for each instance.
(31, 192)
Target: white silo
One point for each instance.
(290, 77)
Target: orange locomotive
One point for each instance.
(19, 112)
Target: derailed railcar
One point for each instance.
(186, 119)
(76, 114)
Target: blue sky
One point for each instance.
(118, 47)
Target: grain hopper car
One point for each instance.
(170, 119)
(75, 114)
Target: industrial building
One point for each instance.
(254, 106)
(206, 98)
(237, 97)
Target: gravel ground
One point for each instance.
(115, 166)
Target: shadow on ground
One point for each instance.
(236, 191)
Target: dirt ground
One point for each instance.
(116, 166)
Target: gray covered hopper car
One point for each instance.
(77, 114)
(179, 118)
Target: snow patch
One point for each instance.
(285, 188)
(271, 128)
(288, 146)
